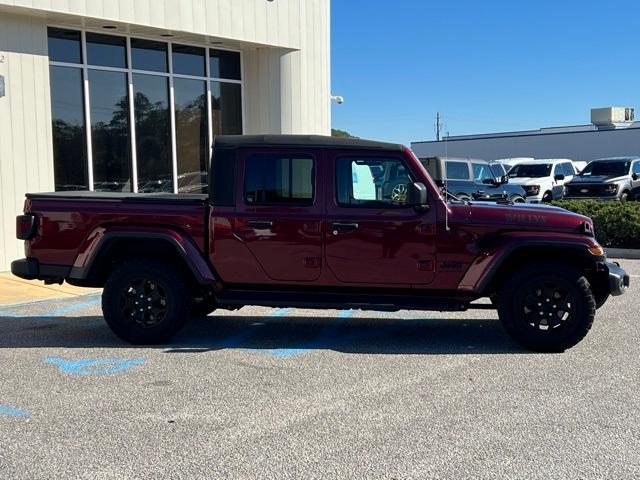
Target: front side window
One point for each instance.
(278, 180)
(569, 170)
(371, 182)
(558, 169)
(458, 171)
(482, 172)
(636, 167)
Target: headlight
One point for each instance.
(611, 188)
(532, 189)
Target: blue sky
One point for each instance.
(487, 66)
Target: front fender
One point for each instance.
(98, 239)
(497, 251)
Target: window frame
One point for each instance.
(281, 156)
(368, 204)
(84, 66)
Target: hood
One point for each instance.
(595, 179)
(527, 180)
(527, 216)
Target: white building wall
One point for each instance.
(285, 45)
(26, 152)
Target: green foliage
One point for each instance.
(336, 132)
(617, 224)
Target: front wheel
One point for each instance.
(546, 308)
(517, 199)
(145, 302)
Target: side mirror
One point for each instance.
(559, 177)
(489, 181)
(635, 176)
(504, 179)
(417, 195)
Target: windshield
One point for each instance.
(530, 170)
(606, 169)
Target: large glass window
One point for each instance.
(149, 55)
(69, 145)
(225, 64)
(106, 50)
(274, 180)
(64, 46)
(110, 140)
(153, 133)
(188, 60)
(226, 108)
(132, 111)
(371, 182)
(192, 141)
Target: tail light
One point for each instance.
(25, 227)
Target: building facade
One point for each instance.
(583, 143)
(128, 95)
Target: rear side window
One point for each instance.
(458, 171)
(278, 180)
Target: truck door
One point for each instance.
(557, 186)
(279, 217)
(372, 236)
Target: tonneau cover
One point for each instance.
(127, 197)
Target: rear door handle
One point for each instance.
(339, 227)
(260, 224)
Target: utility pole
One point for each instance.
(438, 126)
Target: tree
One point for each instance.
(336, 132)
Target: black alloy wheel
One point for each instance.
(546, 307)
(146, 301)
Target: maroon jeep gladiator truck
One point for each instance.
(319, 222)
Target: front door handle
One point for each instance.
(260, 224)
(339, 227)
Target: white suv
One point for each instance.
(543, 180)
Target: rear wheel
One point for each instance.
(145, 302)
(517, 198)
(546, 308)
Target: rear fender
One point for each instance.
(97, 242)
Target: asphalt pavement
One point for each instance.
(287, 393)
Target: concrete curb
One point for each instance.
(624, 253)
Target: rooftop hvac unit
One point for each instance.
(612, 116)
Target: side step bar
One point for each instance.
(338, 301)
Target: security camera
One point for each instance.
(338, 99)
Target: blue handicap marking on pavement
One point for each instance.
(12, 411)
(93, 366)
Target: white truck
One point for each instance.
(543, 180)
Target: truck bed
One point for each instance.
(123, 197)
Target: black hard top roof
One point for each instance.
(312, 141)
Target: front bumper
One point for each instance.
(610, 198)
(618, 279)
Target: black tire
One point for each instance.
(463, 197)
(161, 293)
(624, 197)
(517, 199)
(566, 307)
(547, 197)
